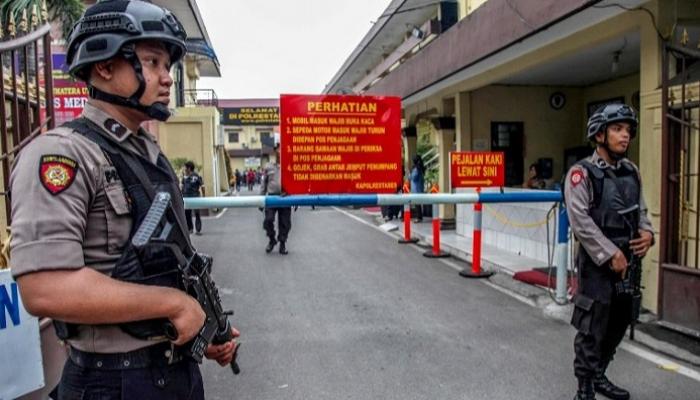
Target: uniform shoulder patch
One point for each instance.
(576, 177)
(57, 172)
(115, 127)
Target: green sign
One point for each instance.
(251, 116)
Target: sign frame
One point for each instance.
(334, 144)
(491, 169)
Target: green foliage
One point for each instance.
(178, 164)
(431, 176)
(67, 12)
(422, 147)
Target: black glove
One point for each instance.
(260, 209)
(296, 208)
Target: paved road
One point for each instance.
(351, 314)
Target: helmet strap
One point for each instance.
(157, 110)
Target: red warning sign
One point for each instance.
(477, 169)
(340, 144)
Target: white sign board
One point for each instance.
(21, 369)
(252, 162)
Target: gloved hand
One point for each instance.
(296, 208)
(260, 209)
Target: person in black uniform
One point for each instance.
(80, 191)
(272, 185)
(608, 216)
(192, 185)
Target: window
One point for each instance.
(508, 137)
(233, 137)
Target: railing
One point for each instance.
(201, 97)
(27, 95)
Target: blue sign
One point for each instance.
(9, 305)
(21, 369)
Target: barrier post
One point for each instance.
(407, 226)
(476, 271)
(436, 252)
(407, 219)
(562, 252)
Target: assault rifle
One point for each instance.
(631, 283)
(156, 230)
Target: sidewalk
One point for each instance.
(505, 264)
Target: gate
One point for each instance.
(679, 272)
(27, 94)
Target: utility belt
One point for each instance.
(158, 355)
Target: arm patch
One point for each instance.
(57, 172)
(576, 177)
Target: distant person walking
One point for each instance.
(250, 179)
(417, 184)
(192, 185)
(239, 178)
(272, 185)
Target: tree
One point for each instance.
(66, 12)
(178, 164)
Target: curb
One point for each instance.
(538, 297)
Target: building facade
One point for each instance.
(250, 129)
(522, 77)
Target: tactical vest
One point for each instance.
(613, 190)
(153, 266)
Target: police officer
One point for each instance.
(272, 185)
(192, 185)
(598, 190)
(76, 199)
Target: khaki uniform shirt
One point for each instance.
(74, 212)
(578, 194)
(273, 180)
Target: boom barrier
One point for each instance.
(370, 199)
(407, 200)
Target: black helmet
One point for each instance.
(111, 28)
(599, 121)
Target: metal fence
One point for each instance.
(27, 95)
(679, 278)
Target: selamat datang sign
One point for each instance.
(239, 116)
